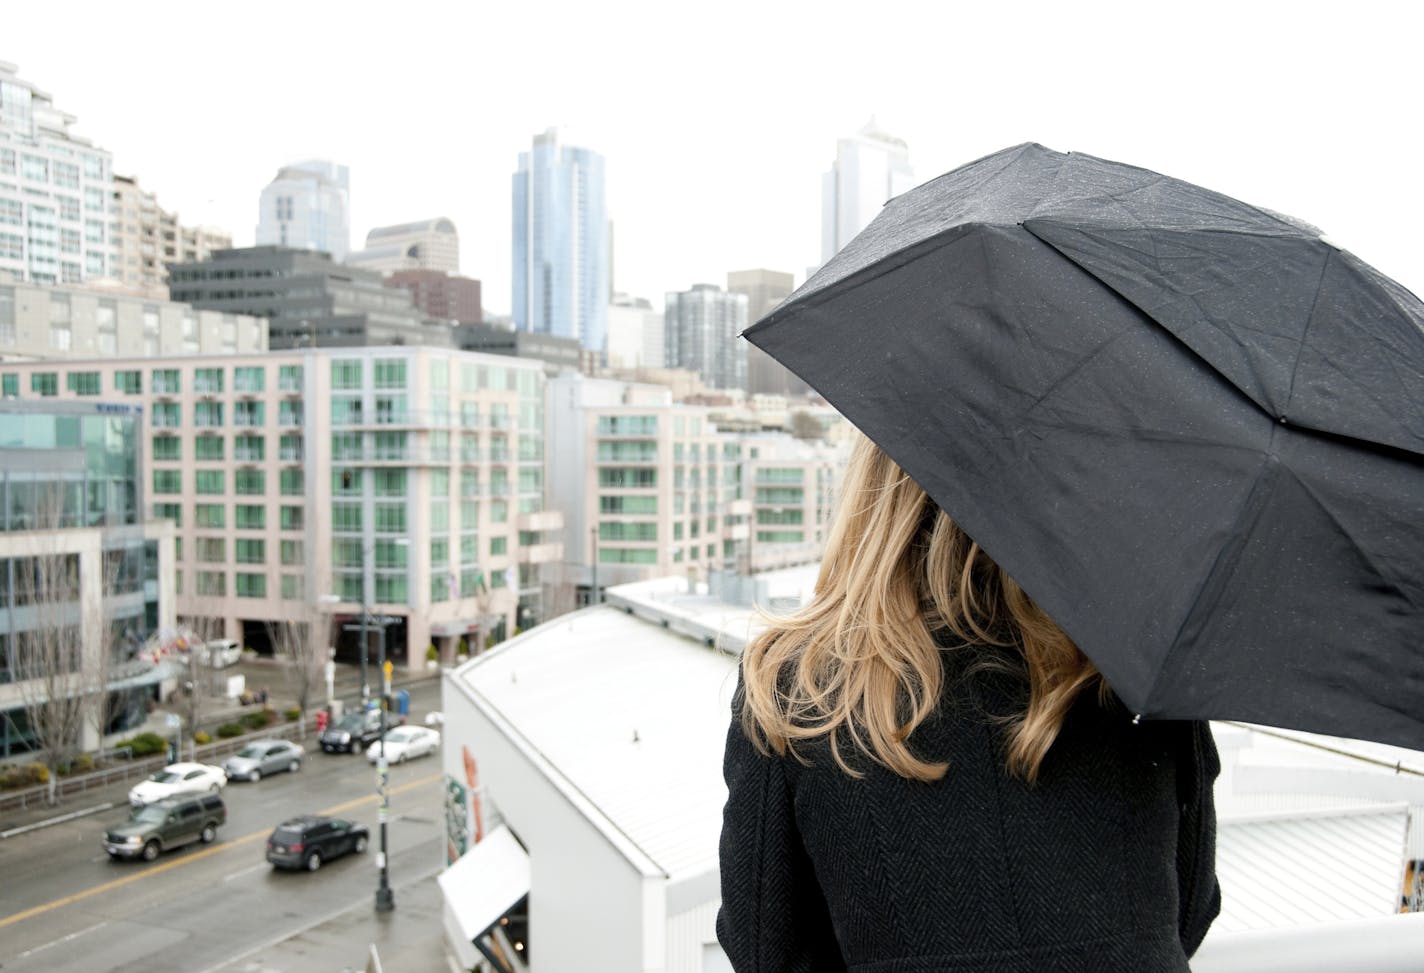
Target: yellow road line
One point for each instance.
(196, 856)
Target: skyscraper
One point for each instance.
(561, 242)
(308, 207)
(870, 167)
(700, 331)
(764, 290)
(430, 244)
(54, 191)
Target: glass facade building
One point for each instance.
(562, 266)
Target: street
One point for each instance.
(65, 906)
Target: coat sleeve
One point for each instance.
(773, 917)
(1199, 892)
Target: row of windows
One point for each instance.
(245, 516)
(246, 584)
(165, 381)
(246, 448)
(207, 415)
(245, 482)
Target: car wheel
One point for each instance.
(361, 844)
(294, 766)
(313, 861)
(151, 850)
(355, 746)
(254, 775)
(401, 759)
(209, 832)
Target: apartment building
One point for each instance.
(647, 485)
(39, 321)
(147, 238)
(791, 485)
(84, 574)
(322, 483)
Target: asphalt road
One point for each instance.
(64, 906)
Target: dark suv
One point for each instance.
(166, 824)
(307, 841)
(352, 733)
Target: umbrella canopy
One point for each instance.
(1191, 429)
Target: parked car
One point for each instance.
(435, 718)
(402, 743)
(165, 824)
(353, 732)
(176, 780)
(263, 757)
(308, 841)
(221, 653)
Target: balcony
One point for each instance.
(545, 520)
(546, 553)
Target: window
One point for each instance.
(636, 531)
(347, 445)
(251, 550)
(391, 410)
(346, 410)
(211, 515)
(208, 414)
(346, 517)
(247, 448)
(627, 505)
(439, 554)
(208, 447)
(628, 425)
(249, 414)
(346, 482)
(44, 383)
(248, 379)
(498, 546)
(346, 552)
(250, 585)
(292, 518)
(166, 381)
(249, 516)
(293, 587)
(10, 386)
(499, 512)
(292, 552)
(289, 378)
(390, 482)
(289, 412)
(391, 589)
(212, 583)
(209, 482)
(129, 382)
(164, 415)
(390, 373)
(290, 448)
(392, 554)
(390, 518)
(34, 168)
(293, 483)
(167, 481)
(249, 483)
(210, 550)
(169, 511)
(346, 374)
(167, 447)
(440, 514)
(627, 477)
(207, 380)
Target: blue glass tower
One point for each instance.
(561, 246)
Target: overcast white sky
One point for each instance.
(718, 119)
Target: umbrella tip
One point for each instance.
(1137, 719)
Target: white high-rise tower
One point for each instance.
(871, 166)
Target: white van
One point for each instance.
(221, 653)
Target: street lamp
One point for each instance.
(385, 895)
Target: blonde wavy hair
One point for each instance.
(861, 663)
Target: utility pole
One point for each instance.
(593, 560)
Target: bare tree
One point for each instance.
(301, 641)
(199, 631)
(804, 425)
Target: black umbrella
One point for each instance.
(1192, 429)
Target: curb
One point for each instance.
(61, 819)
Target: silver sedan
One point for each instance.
(262, 757)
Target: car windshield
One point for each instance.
(351, 722)
(166, 777)
(148, 815)
(251, 750)
(400, 736)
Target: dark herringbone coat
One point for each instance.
(1106, 864)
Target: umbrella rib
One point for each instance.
(1305, 334)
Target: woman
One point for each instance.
(924, 773)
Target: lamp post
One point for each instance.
(385, 895)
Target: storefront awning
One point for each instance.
(486, 882)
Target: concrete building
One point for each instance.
(84, 575)
(413, 477)
(700, 330)
(81, 322)
(147, 238)
(423, 245)
(440, 295)
(635, 333)
(556, 354)
(791, 485)
(647, 486)
(55, 189)
(765, 289)
(307, 206)
(561, 259)
(870, 167)
(309, 299)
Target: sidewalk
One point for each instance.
(408, 940)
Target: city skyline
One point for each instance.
(692, 200)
